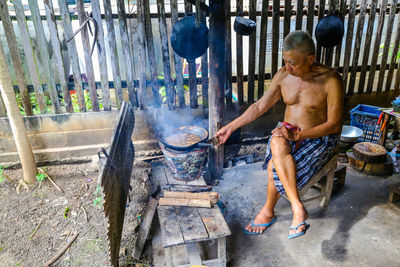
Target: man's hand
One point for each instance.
(223, 134)
(285, 133)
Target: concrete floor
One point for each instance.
(359, 228)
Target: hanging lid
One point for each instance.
(329, 31)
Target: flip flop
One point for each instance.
(301, 233)
(259, 225)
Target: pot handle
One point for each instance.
(204, 145)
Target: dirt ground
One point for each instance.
(56, 215)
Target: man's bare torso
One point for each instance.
(306, 100)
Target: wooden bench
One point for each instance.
(188, 226)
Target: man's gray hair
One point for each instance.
(299, 40)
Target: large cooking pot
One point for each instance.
(329, 31)
(188, 40)
(200, 134)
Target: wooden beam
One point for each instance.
(321, 12)
(252, 54)
(342, 13)
(228, 54)
(299, 14)
(275, 36)
(263, 45)
(389, 77)
(239, 57)
(349, 44)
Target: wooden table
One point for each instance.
(388, 114)
(187, 225)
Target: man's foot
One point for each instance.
(260, 223)
(300, 215)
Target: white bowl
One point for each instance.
(350, 134)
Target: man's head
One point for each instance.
(298, 52)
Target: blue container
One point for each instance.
(366, 118)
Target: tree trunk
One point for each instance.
(17, 124)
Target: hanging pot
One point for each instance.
(244, 26)
(188, 40)
(329, 31)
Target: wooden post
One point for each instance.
(141, 51)
(88, 56)
(299, 14)
(239, 56)
(310, 17)
(275, 37)
(16, 59)
(113, 52)
(342, 14)
(162, 23)
(216, 89)
(263, 45)
(321, 11)
(252, 54)
(192, 68)
(204, 71)
(286, 19)
(29, 55)
(228, 54)
(55, 43)
(73, 54)
(44, 55)
(389, 76)
(101, 53)
(151, 54)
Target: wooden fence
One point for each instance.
(133, 59)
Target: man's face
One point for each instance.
(297, 63)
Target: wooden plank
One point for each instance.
(357, 46)
(73, 54)
(126, 51)
(375, 52)
(178, 62)
(389, 77)
(55, 43)
(144, 228)
(101, 54)
(286, 19)
(151, 54)
(228, 54)
(275, 37)
(321, 11)
(170, 228)
(15, 57)
(113, 52)
(342, 14)
(367, 46)
(252, 54)
(88, 56)
(44, 55)
(141, 51)
(192, 68)
(386, 45)
(310, 17)
(222, 248)
(239, 57)
(156, 244)
(349, 43)
(299, 14)
(214, 222)
(162, 23)
(263, 44)
(193, 253)
(191, 224)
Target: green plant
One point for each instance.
(2, 175)
(40, 177)
(163, 92)
(88, 101)
(391, 51)
(34, 103)
(98, 201)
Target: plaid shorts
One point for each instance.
(309, 155)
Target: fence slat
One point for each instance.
(55, 43)
(151, 54)
(73, 54)
(239, 57)
(101, 53)
(88, 56)
(165, 55)
(44, 54)
(397, 83)
(178, 61)
(321, 11)
(228, 54)
(377, 43)
(252, 54)
(204, 71)
(275, 37)
(29, 55)
(16, 59)
(349, 43)
(389, 77)
(113, 52)
(263, 44)
(367, 46)
(299, 14)
(126, 51)
(310, 17)
(141, 51)
(386, 46)
(342, 14)
(286, 19)
(357, 46)
(328, 57)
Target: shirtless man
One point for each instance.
(299, 146)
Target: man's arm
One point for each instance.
(335, 107)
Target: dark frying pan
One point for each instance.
(196, 130)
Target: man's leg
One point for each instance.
(286, 168)
(266, 213)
